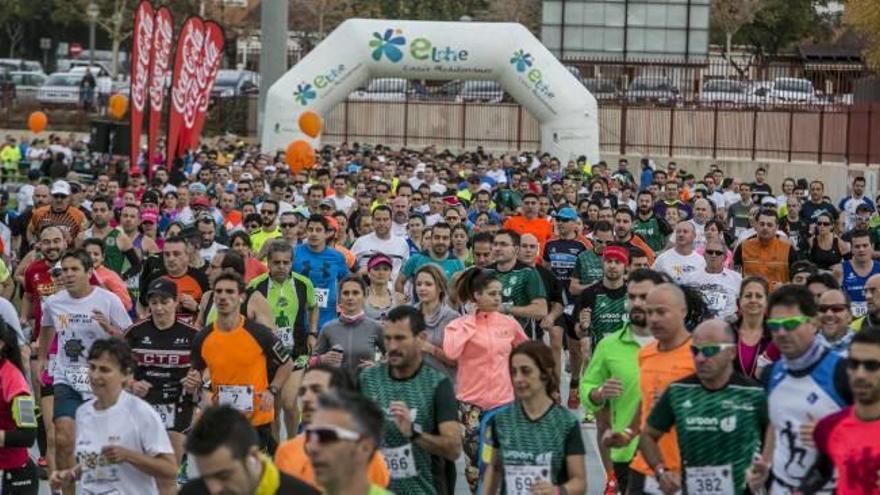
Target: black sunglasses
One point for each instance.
(288, 225)
(714, 252)
(871, 365)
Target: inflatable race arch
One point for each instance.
(363, 49)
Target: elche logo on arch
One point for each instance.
(306, 91)
(392, 45)
(523, 63)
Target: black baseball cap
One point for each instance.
(162, 287)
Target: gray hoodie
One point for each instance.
(436, 327)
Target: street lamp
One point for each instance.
(92, 12)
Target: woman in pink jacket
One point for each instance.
(481, 344)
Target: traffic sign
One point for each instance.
(45, 43)
(75, 49)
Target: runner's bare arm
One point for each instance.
(536, 309)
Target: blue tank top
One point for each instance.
(854, 285)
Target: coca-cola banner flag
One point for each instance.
(212, 55)
(163, 36)
(184, 86)
(142, 41)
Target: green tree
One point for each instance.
(781, 25)
(14, 14)
(114, 18)
(864, 17)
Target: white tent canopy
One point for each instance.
(363, 49)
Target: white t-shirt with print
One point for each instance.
(394, 247)
(76, 329)
(720, 290)
(131, 423)
(677, 266)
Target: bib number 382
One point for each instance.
(520, 479)
(709, 480)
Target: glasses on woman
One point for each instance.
(823, 224)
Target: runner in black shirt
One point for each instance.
(161, 346)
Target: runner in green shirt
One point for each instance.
(610, 383)
(720, 418)
(601, 308)
(294, 309)
(421, 414)
(523, 295)
(588, 265)
(652, 229)
(533, 445)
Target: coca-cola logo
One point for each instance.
(211, 65)
(191, 44)
(144, 41)
(161, 50)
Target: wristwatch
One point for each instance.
(273, 390)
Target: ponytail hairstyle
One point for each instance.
(473, 280)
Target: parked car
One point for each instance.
(27, 84)
(793, 91)
(723, 92)
(653, 89)
(480, 91)
(449, 91)
(61, 88)
(232, 83)
(603, 89)
(19, 64)
(69, 64)
(383, 89)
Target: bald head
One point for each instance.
(670, 292)
(666, 309)
(713, 331)
(685, 234)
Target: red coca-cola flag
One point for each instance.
(142, 41)
(212, 55)
(183, 86)
(163, 36)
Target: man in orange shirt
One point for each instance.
(530, 221)
(291, 457)
(661, 362)
(247, 363)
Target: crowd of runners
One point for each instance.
(356, 328)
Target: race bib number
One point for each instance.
(78, 378)
(166, 413)
(709, 480)
(859, 309)
(400, 461)
(285, 335)
(519, 479)
(652, 487)
(322, 296)
(716, 301)
(240, 397)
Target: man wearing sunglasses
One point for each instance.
(719, 416)
(719, 286)
(291, 457)
(847, 441)
(808, 383)
(345, 434)
(835, 319)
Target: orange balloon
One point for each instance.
(310, 123)
(299, 156)
(118, 106)
(37, 121)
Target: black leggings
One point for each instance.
(21, 481)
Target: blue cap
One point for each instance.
(567, 213)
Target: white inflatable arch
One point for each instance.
(362, 49)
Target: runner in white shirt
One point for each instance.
(681, 259)
(79, 315)
(719, 286)
(121, 444)
(381, 241)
